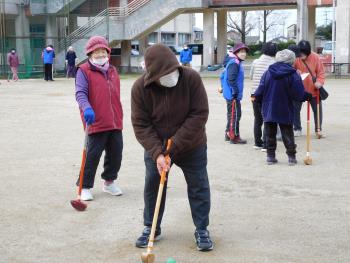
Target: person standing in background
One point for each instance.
(48, 57)
(13, 62)
(71, 60)
(186, 56)
(258, 68)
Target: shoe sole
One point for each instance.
(271, 163)
(158, 238)
(257, 148)
(205, 249)
(108, 192)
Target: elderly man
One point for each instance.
(169, 102)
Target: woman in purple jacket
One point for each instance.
(98, 95)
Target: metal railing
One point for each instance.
(117, 13)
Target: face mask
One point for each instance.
(99, 61)
(13, 52)
(170, 80)
(185, 48)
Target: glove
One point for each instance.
(89, 116)
(234, 96)
(252, 97)
(308, 96)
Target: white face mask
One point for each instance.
(99, 61)
(170, 80)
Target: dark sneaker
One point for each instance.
(227, 138)
(203, 240)
(271, 160)
(257, 146)
(292, 160)
(142, 241)
(238, 140)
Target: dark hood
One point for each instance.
(159, 61)
(280, 70)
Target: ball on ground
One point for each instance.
(171, 260)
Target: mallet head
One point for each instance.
(148, 257)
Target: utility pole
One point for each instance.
(333, 33)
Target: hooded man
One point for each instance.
(279, 87)
(170, 102)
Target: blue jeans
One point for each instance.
(194, 167)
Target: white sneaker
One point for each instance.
(264, 150)
(86, 195)
(112, 189)
(297, 133)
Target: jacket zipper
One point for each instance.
(110, 99)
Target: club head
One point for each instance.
(148, 257)
(308, 161)
(318, 136)
(78, 205)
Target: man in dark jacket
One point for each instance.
(279, 87)
(170, 102)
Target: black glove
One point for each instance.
(234, 96)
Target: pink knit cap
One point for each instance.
(96, 42)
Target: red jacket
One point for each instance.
(104, 98)
(316, 67)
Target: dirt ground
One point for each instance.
(259, 213)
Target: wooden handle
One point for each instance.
(308, 128)
(159, 199)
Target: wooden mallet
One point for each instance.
(149, 257)
(308, 160)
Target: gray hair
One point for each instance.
(285, 56)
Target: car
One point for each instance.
(327, 48)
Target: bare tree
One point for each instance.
(270, 19)
(241, 24)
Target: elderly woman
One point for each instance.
(98, 96)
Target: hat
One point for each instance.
(285, 56)
(238, 47)
(96, 42)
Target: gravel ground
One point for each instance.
(259, 213)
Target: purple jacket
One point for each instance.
(13, 60)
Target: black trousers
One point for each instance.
(287, 138)
(233, 118)
(112, 143)
(194, 167)
(297, 109)
(259, 135)
(48, 71)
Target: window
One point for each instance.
(168, 38)
(153, 37)
(184, 38)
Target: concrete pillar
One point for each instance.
(342, 54)
(22, 34)
(312, 26)
(302, 20)
(222, 35)
(125, 55)
(159, 36)
(208, 37)
(143, 44)
(51, 30)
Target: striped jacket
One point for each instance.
(258, 68)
